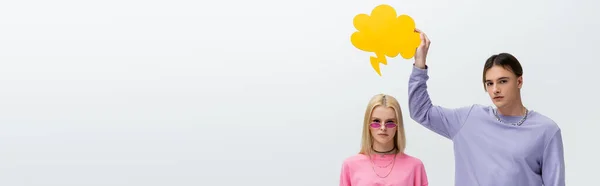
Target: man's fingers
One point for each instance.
(427, 41)
(423, 39)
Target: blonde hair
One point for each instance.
(384, 101)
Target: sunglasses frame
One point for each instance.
(386, 125)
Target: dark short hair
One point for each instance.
(506, 60)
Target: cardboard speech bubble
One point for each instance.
(385, 34)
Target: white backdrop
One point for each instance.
(262, 92)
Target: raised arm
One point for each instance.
(444, 121)
(553, 163)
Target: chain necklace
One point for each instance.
(393, 163)
(383, 153)
(514, 124)
(383, 166)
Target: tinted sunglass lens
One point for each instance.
(390, 125)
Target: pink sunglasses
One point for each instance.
(387, 125)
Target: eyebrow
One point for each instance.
(391, 119)
(498, 79)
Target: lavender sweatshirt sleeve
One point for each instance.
(444, 121)
(553, 165)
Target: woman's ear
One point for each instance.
(520, 82)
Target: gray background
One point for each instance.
(262, 92)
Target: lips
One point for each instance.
(498, 97)
(383, 135)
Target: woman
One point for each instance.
(381, 160)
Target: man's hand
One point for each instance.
(421, 54)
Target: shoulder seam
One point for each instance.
(464, 121)
(550, 140)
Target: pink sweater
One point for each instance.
(358, 170)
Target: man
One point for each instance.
(504, 146)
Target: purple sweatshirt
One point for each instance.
(486, 151)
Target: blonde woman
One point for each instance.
(381, 160)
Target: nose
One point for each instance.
(496, 89)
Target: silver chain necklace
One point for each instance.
(393, 163)
(515, 124)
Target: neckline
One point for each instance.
(510, 119)
(376, 156)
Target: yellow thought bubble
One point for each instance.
(385, 34)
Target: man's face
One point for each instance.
(502, 85)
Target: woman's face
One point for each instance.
(383, 125)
